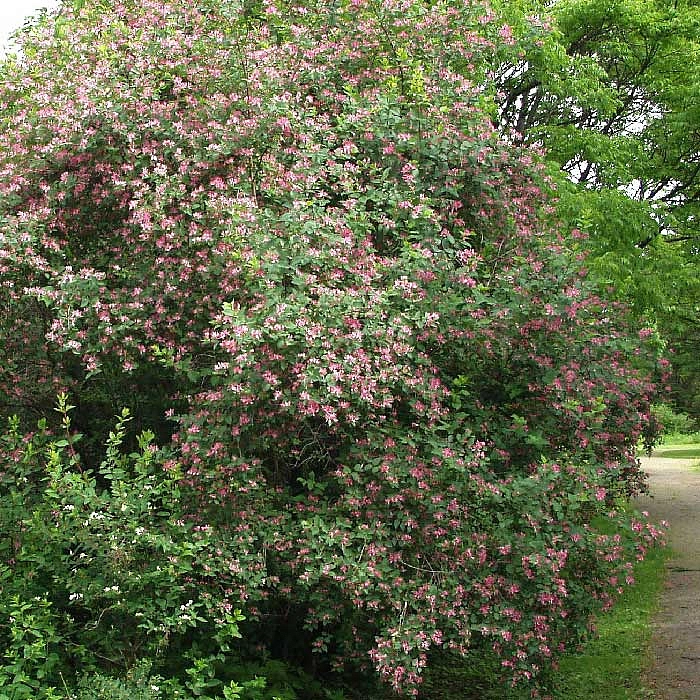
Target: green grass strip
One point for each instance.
(611, 665)
(678, 451)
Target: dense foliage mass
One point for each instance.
(386, 404)
(609, 88)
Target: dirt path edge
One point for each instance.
(674, 673)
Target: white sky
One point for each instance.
(14, 12)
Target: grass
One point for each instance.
(610, 666)
(681, 439)
(676, 450)
(679, 452)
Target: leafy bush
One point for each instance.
(138, 686)
(673, 423)
(398, 403)
(100, 572)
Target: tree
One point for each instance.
(609, 90)
(397, 401)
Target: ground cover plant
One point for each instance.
(376, 404)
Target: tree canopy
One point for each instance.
(610, 91)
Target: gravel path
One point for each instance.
(675, 491)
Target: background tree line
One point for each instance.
(609, 91)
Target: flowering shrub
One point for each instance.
(398, 402)
(102, 570)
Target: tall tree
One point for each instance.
(611, 91)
